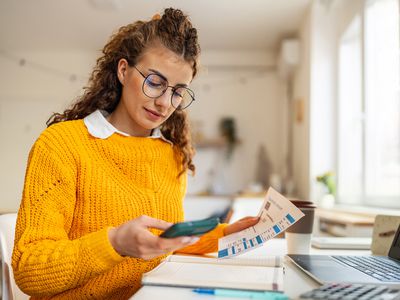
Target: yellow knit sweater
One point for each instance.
(76, 188)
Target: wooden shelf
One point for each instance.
(210, 143)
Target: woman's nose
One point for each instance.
(165, 99)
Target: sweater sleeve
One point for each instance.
(45, 261)
(208, 242)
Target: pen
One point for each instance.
(242, 294)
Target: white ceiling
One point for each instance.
(222, 24)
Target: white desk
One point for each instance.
(295, 281)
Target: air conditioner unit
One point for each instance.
(288, 58)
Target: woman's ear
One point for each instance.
(122, 70)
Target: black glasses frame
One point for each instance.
(191, 93)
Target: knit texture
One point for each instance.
(76, 188)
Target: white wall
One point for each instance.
(345, 12)
(29, 94)
(314, 139)
(243, 85)
(301, 92)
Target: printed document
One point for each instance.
(276, 214)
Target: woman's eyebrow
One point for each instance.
(165, 78)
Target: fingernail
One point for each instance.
(186, 240)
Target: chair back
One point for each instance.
(9, 289)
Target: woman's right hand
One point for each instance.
(134, 239)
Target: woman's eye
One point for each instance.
(178, 94)
(154, 84)
(154, 81)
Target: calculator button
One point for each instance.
(352, 292)
(335, 297)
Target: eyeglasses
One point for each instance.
(155, 86)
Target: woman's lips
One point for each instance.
(153, 115)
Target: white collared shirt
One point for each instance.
(99, 127)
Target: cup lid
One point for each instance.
(303, 203)
(307, 206)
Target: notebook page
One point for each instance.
(267, 261)
(215, 276)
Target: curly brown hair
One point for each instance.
(175, 31)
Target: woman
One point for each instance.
(109, 175)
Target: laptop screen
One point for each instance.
(395, 248)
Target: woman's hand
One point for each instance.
(134, 239)
(241, 224)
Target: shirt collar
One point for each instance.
(99, 127)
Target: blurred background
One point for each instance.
(300, 95)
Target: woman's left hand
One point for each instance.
(243, 223)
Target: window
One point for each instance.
(369, 107)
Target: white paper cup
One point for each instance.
(298, 236)
(298, 243)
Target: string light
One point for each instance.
(22, 62)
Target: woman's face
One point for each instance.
(137, 113)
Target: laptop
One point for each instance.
(364, 269)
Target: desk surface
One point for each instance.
(295, 281)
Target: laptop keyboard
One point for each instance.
(378, 267)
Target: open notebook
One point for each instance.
(264, 274)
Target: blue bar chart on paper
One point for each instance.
(276, 214)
